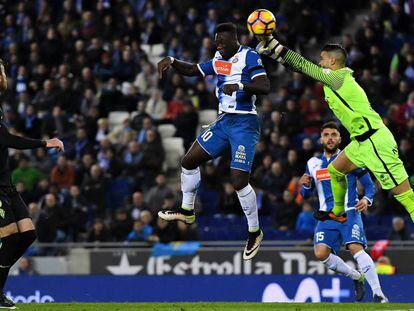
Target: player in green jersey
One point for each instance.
(372, 144)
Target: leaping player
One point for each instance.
(241, 76)
(372, 144)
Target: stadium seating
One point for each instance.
(174, 150)
(166, 130)
(117, 117)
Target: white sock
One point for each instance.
(367, 266)
(336, 264)
(247, 198)
(190, 180)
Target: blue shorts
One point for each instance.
(238, 132)
(334, 234)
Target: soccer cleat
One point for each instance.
(380, 299)
(360, 288)
(252, 244)
(7, 303)
(179, 214)
(328, 215)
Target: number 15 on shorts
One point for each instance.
(320, 236)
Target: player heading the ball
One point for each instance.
(240, 77)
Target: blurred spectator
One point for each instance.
(186, 124)
(187, 232)
(383, 266)
(50, 220)
(26, 174)
(399, 232)
(166, 231)
(156, 107)
(95, 187)
(306, 223)
(229, 202)
(140, 232)
(137, 206)
(63, 174)
(121, 226)
(98, 232)
(155, 196)
(26, 267)
(286, 212)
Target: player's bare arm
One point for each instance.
(184, 68)
(260, 86)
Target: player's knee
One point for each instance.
(355, 248)
(239, 182)
(321, 253)
(187, 163)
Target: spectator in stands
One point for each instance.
(121, 226)
(399, 232)
(45, 99)
(83, 168)
(166, 231)
(49, 222)
(138, 205)
(156, 107)
(187, 233)
(286, 212)
(95, 187)
(142, 230)
(42, 161)
(34, 212)
(30, 124)
(384, 266)
(63, 174)
(26, 174)
(76, 210)
(81, 145)
(156, 195)
(98, 232)
(26, 267)
(57, 123)
(306, 223)
(229, 202)
(186, 124)
(275, 181)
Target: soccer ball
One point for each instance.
(261, 22)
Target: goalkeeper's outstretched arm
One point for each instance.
(293, 60)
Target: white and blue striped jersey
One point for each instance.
(317, 167)
(242, 67)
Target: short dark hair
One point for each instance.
(330, 125)
(334, 47)
(227, 27)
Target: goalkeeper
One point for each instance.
(372, 144)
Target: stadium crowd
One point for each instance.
(71, 64)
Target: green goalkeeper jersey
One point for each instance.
(343, 94)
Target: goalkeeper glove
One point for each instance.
(271, 47)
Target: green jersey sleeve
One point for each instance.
(331, 78)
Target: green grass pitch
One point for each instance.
(214, 306)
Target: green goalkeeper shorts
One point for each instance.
(379, 154)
